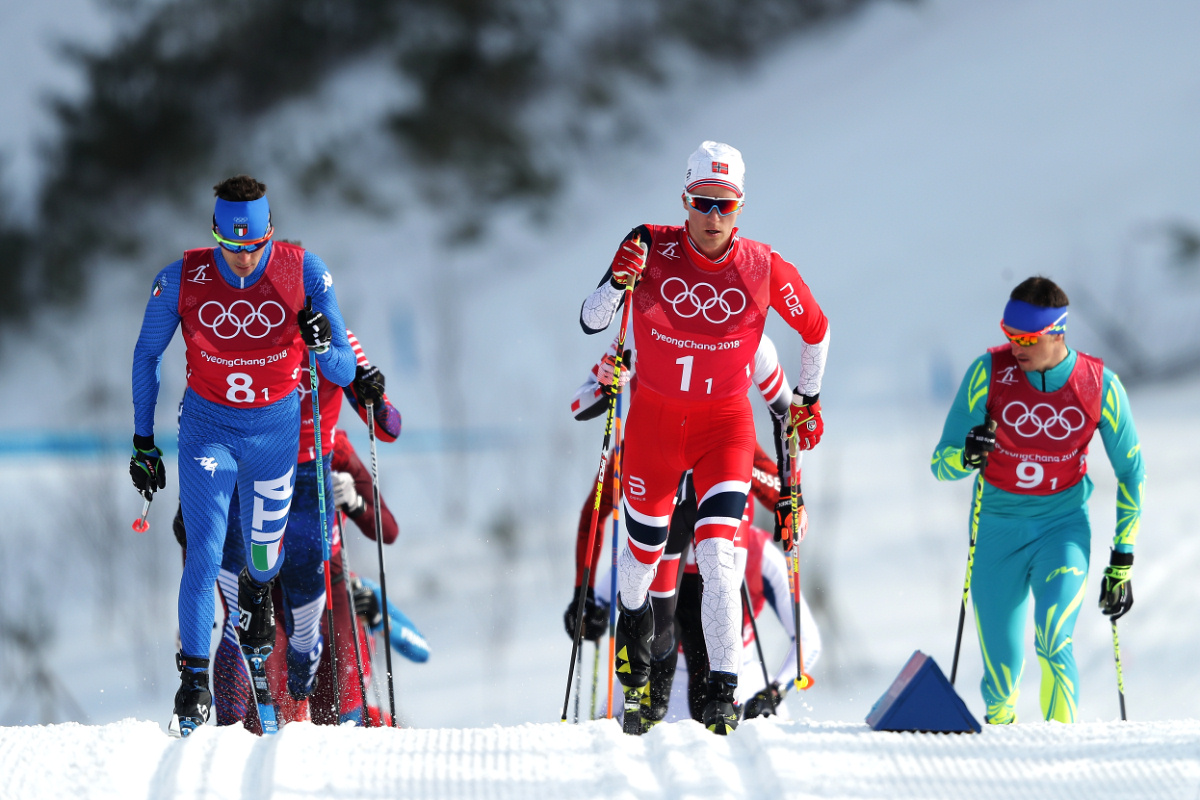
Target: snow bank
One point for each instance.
(763, 759)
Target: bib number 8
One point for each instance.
(1029, 474)
(239, 388)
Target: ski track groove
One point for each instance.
(762, 759)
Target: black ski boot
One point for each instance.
(656, 701)
(256, 616)
(193, 701)
(720, 715)
(635, 630)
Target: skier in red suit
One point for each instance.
(699, 308)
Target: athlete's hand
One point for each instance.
(145, 466)
(981, 440)
(595, 616)
(783, 519)
(314, 328)
(607, 366)
(1116, 587)
(366, 603)
(629, 262)
(368, 385)
(805, 419)
(345, 495)
(763, 703)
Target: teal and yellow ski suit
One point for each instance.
(1037, 544)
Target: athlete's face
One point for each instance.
(243, 263)
(1047, 352)
(711, 232)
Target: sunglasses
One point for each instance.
(243, 247)
(1028, 339)
(724, 205)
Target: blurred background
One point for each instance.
(466, 168)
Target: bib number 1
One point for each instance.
(685, 383)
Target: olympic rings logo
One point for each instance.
(253, 322)
(1043, 418)
(702, 299)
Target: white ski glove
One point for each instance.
(345, 495)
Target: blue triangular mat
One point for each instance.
(921, 699)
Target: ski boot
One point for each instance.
(302, 671)
(635, 629)
(193, 701)
(256, 633)
(720, 715)
(656, 701)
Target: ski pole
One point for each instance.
(616, 534)
(362, 684)
(976, 506)
(758, 643)
(387, 623)
(595, 676)
(1120, 674)
(608, 430)
(803, 679)
(326, 549)
(140, 525)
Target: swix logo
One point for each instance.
(668, 250)
(1007, 375)
(200, 275)
(792, 301)
(635, 486)
(327, 279)
(209, 463)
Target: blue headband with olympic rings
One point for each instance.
(1022, 316)
(242, 221)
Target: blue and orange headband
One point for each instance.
(1022, 316)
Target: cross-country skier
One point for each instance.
(1030, 501)
(589, 401)
(700, 304)
(247, 308)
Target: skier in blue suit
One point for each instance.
(247, 308)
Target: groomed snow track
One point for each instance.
(134, 759)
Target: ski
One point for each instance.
(256, 663)
(631, 721)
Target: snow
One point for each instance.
(916, 164)
(764, 759)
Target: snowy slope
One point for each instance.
(1155, 761)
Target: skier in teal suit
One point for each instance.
(1030, 501)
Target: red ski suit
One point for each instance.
(697, 323)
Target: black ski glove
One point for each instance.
(314, 328)
(366, 603)
(981, 440)
(368, 385)
(783, 517)
(595, 616)
(1116, 587)
(145, 466)
(763, 703)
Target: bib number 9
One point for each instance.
(1029, 474)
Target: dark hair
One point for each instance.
(1039, 291)
(240, 189)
